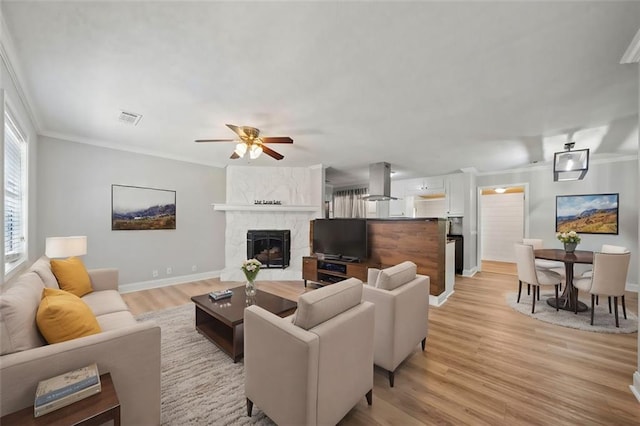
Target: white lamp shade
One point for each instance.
(255, 151)
(65, 246)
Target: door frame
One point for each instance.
(524, 185)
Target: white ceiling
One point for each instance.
(429, 87)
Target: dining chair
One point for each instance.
(529, 274)
(537, 244)
(609, 278)
(606, 248)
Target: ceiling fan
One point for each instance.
(250, 141)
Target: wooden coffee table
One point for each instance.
(221, 321)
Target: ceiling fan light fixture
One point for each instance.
(241, 149)
(255, 151)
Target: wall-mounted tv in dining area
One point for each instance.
(340, 239)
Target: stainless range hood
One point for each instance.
(379, 182)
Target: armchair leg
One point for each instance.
(597, 299)
(615, 308)
(249, 407)
(609, 299)
(593, 297)
(519, 290)
(538, 293)
(424, 341)
(369, 397)
(391, 378)
(624, 308)
(528, 289)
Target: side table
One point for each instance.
(94, 410)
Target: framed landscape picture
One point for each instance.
(138, 208)
(587, 214)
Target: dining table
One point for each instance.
(569, 298)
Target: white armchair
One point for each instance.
(401, 298)
(311, 368)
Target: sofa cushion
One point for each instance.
(105, 302)
(64, 316)
(325, 303)
(116, 320)
(18, 307)
(72, 276)
(42, 267)
(395, 276)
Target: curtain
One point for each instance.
(349, 203)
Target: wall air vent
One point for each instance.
(129, 117)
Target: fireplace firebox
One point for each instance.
(271, 247)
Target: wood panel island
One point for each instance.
(391, 241)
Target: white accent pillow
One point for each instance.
(18, 308)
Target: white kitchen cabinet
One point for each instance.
(455, 194)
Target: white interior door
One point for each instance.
(502, 217)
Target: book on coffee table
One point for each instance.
(65, 389)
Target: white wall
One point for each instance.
(502, 217)
(603, 177)
(74, 198)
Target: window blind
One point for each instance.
(14, 194)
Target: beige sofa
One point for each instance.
(401, 299)
(313, 368)
(127, 349)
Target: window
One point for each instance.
(15, 195)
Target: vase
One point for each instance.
(570, 247)
(250, 288)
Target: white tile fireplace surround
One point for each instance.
(300, 192)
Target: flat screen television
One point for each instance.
(344, 239)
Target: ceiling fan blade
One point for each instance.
(237, 130)
(234, 156)
(282, 139)
(272, 153)
(215, 140)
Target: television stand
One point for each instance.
(330, 271)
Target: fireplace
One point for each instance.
(271, 247)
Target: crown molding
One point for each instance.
(632, 54)
(9, 59)
(126, 148)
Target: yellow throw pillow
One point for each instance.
(64, 316)
(72, 276)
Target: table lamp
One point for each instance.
(65, 246)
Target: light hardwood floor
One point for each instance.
(484, 363)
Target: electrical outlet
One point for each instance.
(169, 270)
(194, 268)
(154, 273)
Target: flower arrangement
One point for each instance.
(568, 237)
(251, 268)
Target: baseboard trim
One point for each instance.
(165, 282)
(469, 272)
(631, 287)
(635, 387)
(439, 300)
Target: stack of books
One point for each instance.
(65, 389)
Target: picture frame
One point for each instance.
(588, 214)
(136, 208)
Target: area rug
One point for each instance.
(200, 384)
(604, 322)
